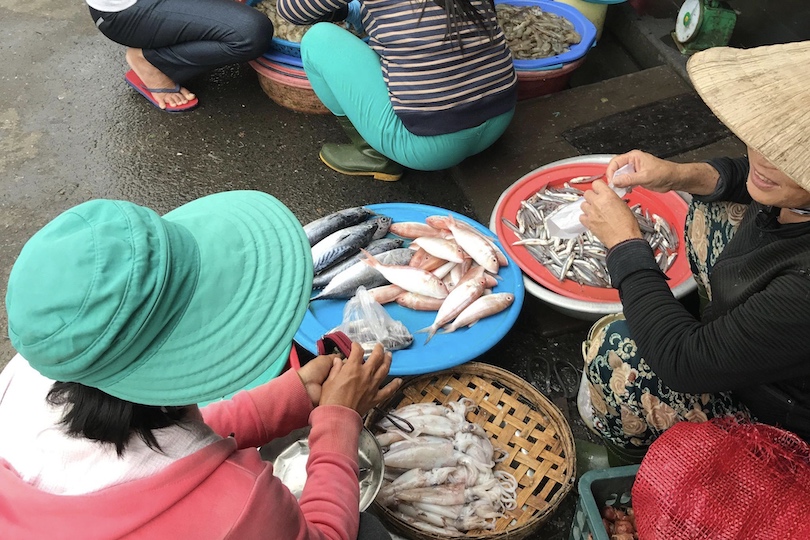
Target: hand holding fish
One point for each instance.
(314, 373)
(660, 175)
(356, 384)
(607, 216)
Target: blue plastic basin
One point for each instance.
(582, 25)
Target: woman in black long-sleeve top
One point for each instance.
(748, 241)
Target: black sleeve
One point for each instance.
(733, 177)
(631, 256)
(758, 341)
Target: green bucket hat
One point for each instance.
(171, 310)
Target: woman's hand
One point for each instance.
(607, 216)
(661, 175)
(314, 373)
(356, 384)
(651, 172)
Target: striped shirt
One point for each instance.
(435, 85)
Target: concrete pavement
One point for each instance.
(72, 130)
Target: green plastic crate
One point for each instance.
(597, 489)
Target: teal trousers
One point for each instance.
(345, 74)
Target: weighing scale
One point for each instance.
(703, 24)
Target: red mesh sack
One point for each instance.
(724, 480)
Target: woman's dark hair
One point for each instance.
(98, 416)
(463, 11)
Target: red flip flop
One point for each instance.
(135, 82)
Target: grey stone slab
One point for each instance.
(664, 128)
(535, 137)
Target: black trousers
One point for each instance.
(184, 38)
(371, 528)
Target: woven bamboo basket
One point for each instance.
(291, 91)
(518, 419)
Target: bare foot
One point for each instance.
(152, 77)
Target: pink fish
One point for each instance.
(431, 263)
(475, 245)
(385, 293)
(440, 222)
(409, 278)
(486, 305)
(442, 271)
(419, 302)
(459, 298)
(442, 248)
(413, 229)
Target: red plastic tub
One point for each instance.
(540, 83)
(288, 87)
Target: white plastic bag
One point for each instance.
(366, 322)
(584, 402)
(564, 222)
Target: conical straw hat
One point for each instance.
(763, 96)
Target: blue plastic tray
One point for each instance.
(286, 59)
(443, 351)
(287, 52)
(582, 25)
(283, 46)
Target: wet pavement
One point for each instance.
(71, 130)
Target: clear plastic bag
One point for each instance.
(584, 402)
(366, 322)
(564, 222)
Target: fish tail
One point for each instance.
(370, 259)
(425, 329)
(431, 332)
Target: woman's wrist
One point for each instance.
(696, 178)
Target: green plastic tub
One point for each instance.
(600, 488)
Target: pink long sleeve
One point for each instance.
(257, 416)
(329, 505)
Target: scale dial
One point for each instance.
(689, 18)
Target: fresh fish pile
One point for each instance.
(440, 478)
(582, 259)
(344, 243)
(448, 267)
(533, 33)
(284, 29)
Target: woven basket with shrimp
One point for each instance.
(531, 443)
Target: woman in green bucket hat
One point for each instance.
(124, 320)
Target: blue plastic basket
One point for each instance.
(287, 52)
(290, 48)
(582, 25)
(284, 58)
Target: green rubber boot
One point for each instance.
(359, 158)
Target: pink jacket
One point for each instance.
(222, 491)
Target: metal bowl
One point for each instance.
(290, 454)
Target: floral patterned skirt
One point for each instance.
(631, 405)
